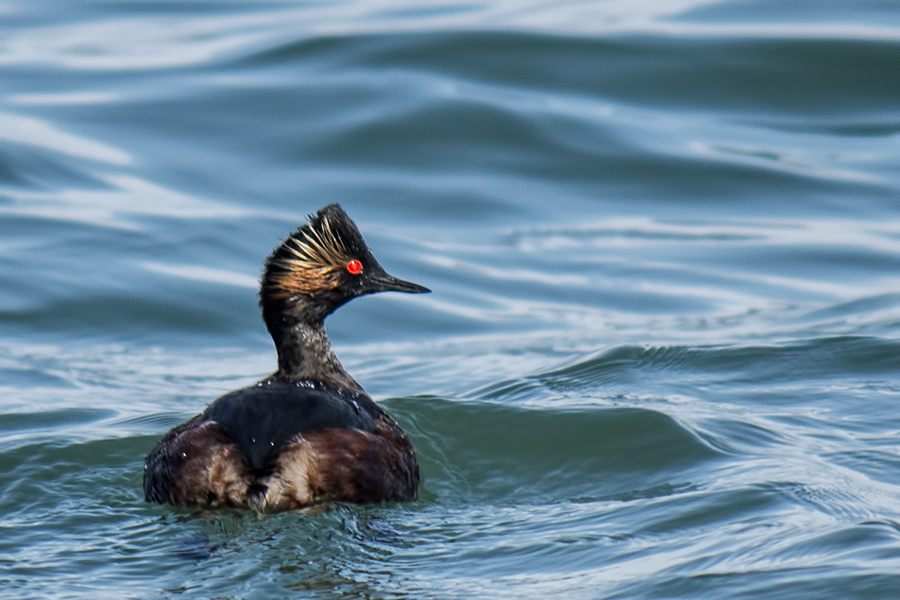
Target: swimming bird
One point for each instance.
(308, 433)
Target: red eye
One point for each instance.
(354, 267)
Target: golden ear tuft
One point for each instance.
(315, 257)
(308, 261)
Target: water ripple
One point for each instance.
(663, 239)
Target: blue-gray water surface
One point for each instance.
(661, 355)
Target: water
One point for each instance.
(663, 237)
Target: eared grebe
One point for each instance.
(308, 433)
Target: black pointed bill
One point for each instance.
(382, 282)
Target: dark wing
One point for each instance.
(264, 420)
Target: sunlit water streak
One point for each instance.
(663, 239)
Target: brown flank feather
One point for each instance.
(330, 464)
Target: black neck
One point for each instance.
(305, 354)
